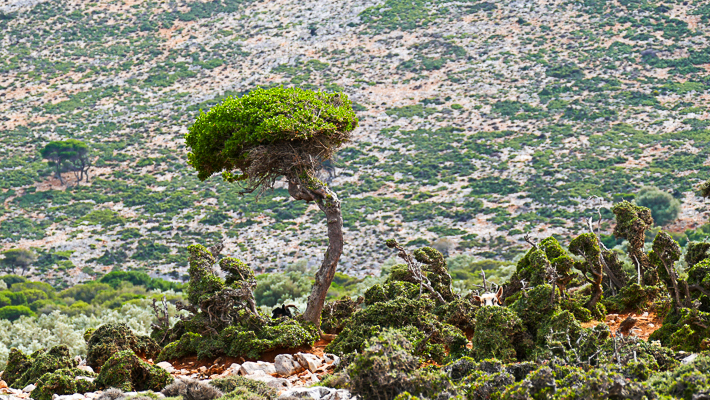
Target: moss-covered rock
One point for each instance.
(203, 282)
(388, 367)
(187, 345)
(632, 297)
(391, 290)
(125, 371)
(500, 334)
(398, 313)
(251, 343)
(534, 267)
(242, 385)
(687, 330)
(63, 381)
(688, 381)
(109, 339)
(17, 364)
(336, 314)
(696, 252)
(42, 362)
(460, 313)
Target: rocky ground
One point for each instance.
(291, 374)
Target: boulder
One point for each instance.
(126, 371)
(308, 361)
(331, 359)
(249, 367)
(270, 381)
(29, 388)
(317, 393)
(286, 365)
(166, 366)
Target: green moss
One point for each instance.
(533, 267)
(500, 334)
(387, 367)
(57, 357)
(17, 364)
(685, 330)
(61, 382)
(632, 297)
(238, 387)
(336, 314)
(109, 339)
(696, 252)
(187, 345)
(125, 371)
(687, 381)
(535, 307)
(398, 313)
(391, 290)
(203, 282)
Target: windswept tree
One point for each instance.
(279, 132)
(68, 155)
(15, 259)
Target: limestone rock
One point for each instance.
(317, 393)
(166, 366)
(286, 365)
(309, 361)
(29, 388)
(249, 367)
(86, 368)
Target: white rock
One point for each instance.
(75, 396)
(331, 359)
(249, 367)
(308, 361)
(341, 394)
(86, 368)
(267, 367)
(286, 366)
(276, 383)
(166, 366)
(29, 388)
(85, 378)
(689, 359)
(314, 393)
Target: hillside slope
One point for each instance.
(480, 121)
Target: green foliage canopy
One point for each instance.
(224, 138)
(664, 208)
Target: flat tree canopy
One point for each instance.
(269, 133)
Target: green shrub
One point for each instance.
(387, 367)
(12, 313)
(500, 334)
(109, 339)
(125, 371)
(664, 208)
(62, 382)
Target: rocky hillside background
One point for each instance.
(481, 121)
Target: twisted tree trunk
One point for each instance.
(329, 203)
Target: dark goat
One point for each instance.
(282, 311)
